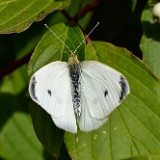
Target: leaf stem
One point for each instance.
(15, 65)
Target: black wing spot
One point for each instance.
(123, 85)
(33, 86)
(105, 92)
(49, 92)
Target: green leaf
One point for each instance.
(150, 42)
(8, 83)
(150, 157)
(18, 15)
(17, 137)
(132, 128)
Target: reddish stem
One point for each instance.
(87, 8)
(15, 65)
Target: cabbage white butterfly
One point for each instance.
(78, 92)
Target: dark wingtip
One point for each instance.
(124, 88)
(32, 88)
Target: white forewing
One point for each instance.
(50, 87)
(103, 87)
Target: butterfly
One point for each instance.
(83, 93)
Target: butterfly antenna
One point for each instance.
(58, 38)
(79, 44)
(87, 36)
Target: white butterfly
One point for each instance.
(78, 92)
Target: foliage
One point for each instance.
(132, 131)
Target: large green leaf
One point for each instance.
(17, 137)
(150, 42)
(131, 129)
(17, 15)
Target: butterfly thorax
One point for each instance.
(75, 72)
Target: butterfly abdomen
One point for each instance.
(74, 72)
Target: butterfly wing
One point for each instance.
(67, 122)
(102, 89)
(50, 87)
(86, 121)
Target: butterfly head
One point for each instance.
(73, 59)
